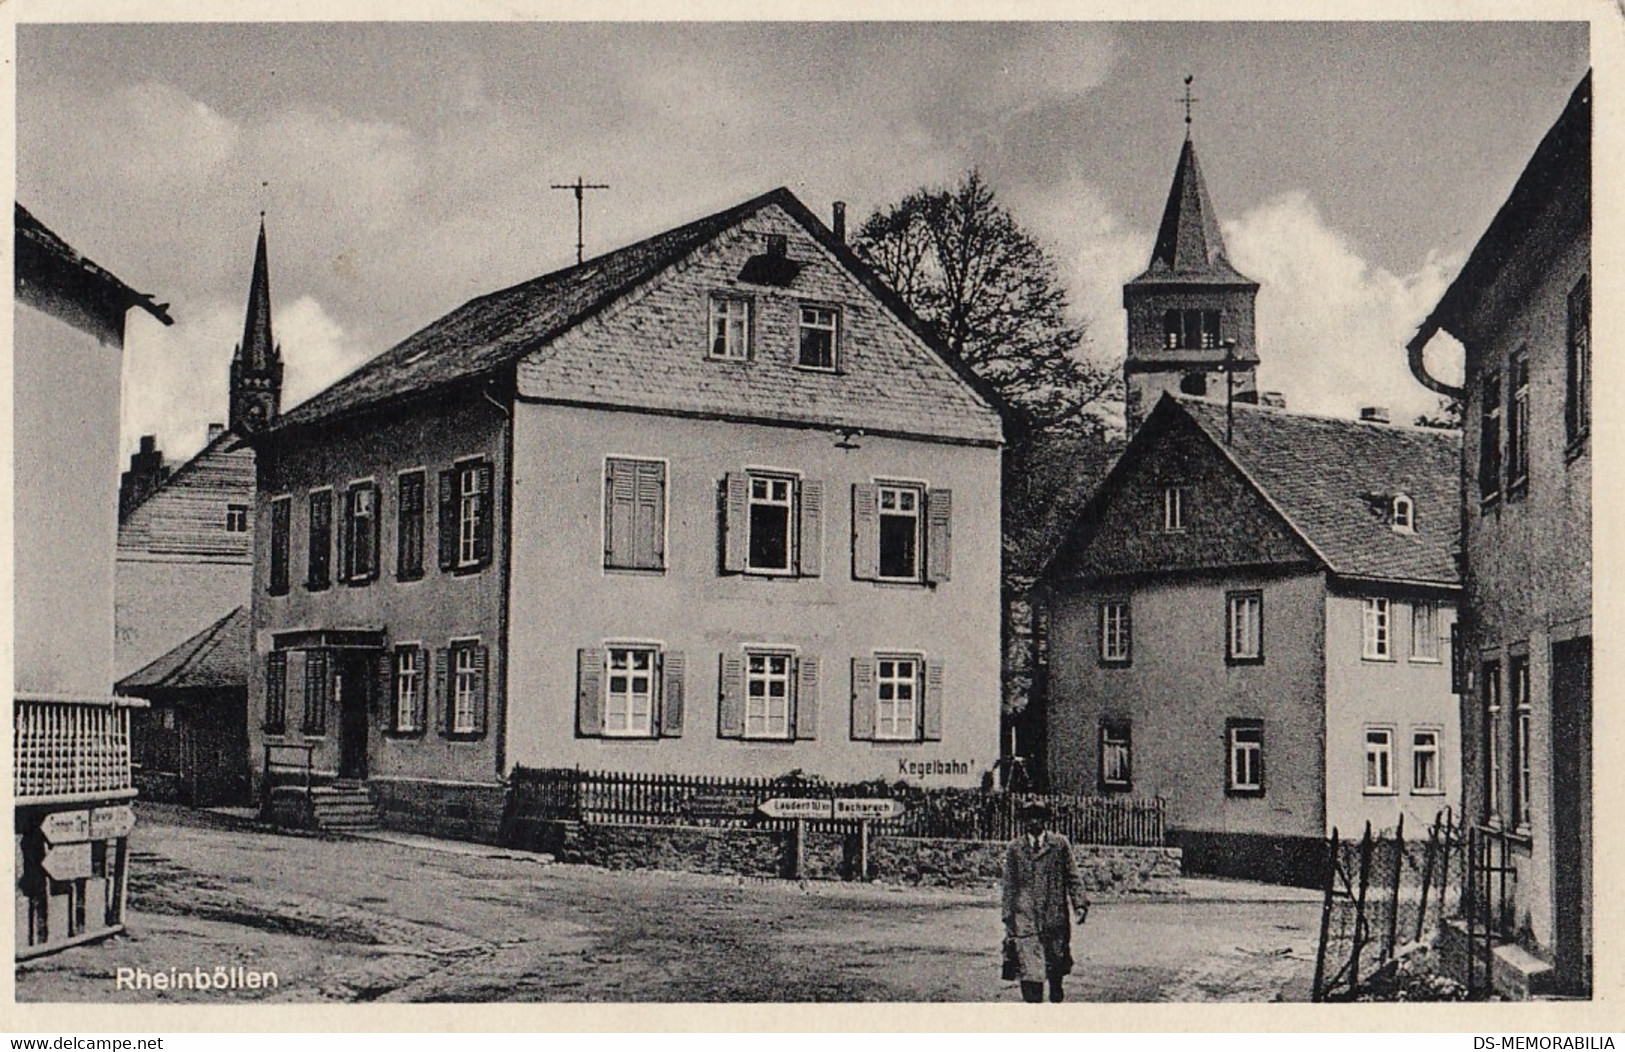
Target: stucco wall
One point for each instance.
(563, 598)
(431, 611)
(1402, 694)
(65, 414)
(1179, 691)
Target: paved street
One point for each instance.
(414, 920)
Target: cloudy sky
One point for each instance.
(406, 168)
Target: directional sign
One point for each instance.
(796, 808)
(109, 822)
(66, 827)
(868, 809)
(71, 862)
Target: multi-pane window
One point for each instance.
(281, 534)
(467, 686)
(409, 525)
(634, 514)
(1424, 631)
(1116, 632)
(900, 508)
(1173, 508)
(1376, 636)
(236, 518)
(1379, 760)
(897, 697)
(1116, 755)
(1518, 423)
(409, 689)
(629, 692)
(1577, 405)
(820, 333)
(769, 694)
(466, 514)
(1244, 628)
(1425, 776)
(470, 508)
(771, 524)
(730, 327)
(1492, 739)
(360, 539)
(1489, 437)
(1518, 684)
(319, 566)
(1244, 742)
(1190, 329)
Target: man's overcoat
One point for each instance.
(1041, 888)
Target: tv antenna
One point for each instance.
(580, 187)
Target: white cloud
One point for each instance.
(176, 378)
(1332, 328)
(316, 349)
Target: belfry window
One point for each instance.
(1187, 330)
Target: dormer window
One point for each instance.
(1403, 515)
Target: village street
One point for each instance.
(343, 920)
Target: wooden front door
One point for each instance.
(354, 686)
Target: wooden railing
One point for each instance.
(298, 772)
(68, 749)
(620, 798)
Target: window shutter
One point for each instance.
(485, 526)
(482, 687)
(731, 708)
(931, 710)
(448, 519)
(346, 524)
(671, 694)
(807, 699)
(618, 491)
(939, 540)
(589, 692)
(383, 699)
(276, 690)
(650, 515)
(865, 531)
(863, 699)
(1458, 661)
(377, 534)
(442, 701)
(735, 519)
(810, 529)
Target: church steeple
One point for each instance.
(256, 365)
(1188, 304)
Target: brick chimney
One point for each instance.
(147, 473)
(839, 223)
(1374, 414)
(216, 430)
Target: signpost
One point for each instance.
(803, 809)
(866, 811)
(800, 810)
(65, 827)
(106, 823)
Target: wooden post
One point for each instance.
(863, 849)
(1360, 926)
(801, 849)
(1317, 992)
(1399, 867)
(1427, 875)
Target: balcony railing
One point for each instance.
(70, 749)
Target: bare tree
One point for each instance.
(992, 294)
(1446, 417)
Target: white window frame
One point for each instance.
(352, 527)
(1244, 627)
(1116, 628)
(916, 491)
(721, 323)
(1116, 754)
(767, 677)
(1173, 509)
(1239, 749)
(1377, 629)
(1522, 728)
(1425, 632)
(818, 324)
(1379, 760)
(1403, 516)
(409, 686)
(1433, 749)
(1492, 738)
(890, 726)
(791, 505)
(1519, 419)
(464, 702)
(236, 518)
(471, 505)
(634, 723)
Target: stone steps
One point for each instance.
(343, 809)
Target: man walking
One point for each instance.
(1040, 878)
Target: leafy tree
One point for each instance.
(992, 294)
(1447, 416)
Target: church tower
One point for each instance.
(256, 366)
(1188, 305)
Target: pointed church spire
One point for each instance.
(256, 367)
(1188, 241)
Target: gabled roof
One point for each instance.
(215, 657)
(44, 257)
(493, 332)
(1550, 199)
(226, 441)
(1189, 248)
(1332, 482)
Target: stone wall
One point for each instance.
(1107, 871)
(457, 812)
